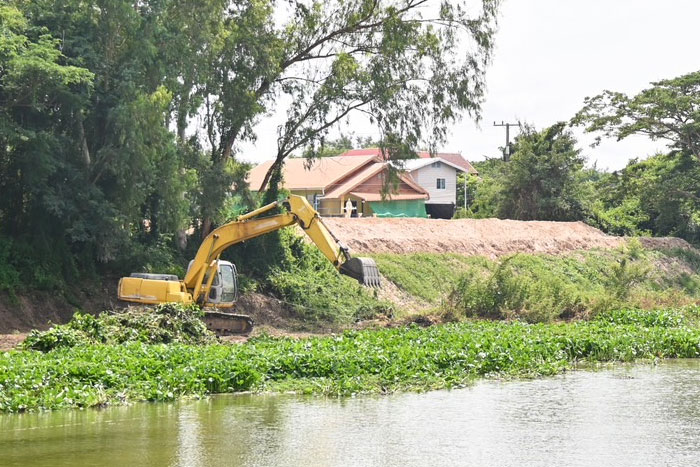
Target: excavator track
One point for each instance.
(228, 324)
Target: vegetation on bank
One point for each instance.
(406, 358)
(544, 288)
(287, 267)
(169, 323)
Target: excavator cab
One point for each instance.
(223, 292)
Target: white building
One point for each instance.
(438, 177)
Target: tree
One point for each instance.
(658, 196)
(542, 181)
(40, 101)
(411, 66)
(669, 110)
(100, 171)
(331, 147)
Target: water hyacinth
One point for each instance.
(370, 361)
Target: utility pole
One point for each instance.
(506, 150)
(466, 176)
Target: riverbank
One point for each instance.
(371, 361)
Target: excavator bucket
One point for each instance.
(363, 270)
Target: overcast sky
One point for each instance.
(550, 54)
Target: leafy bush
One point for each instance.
(9, 276)
(665, 318)
(33, 267)
(622, 219)
(519, 287)
(625, 273)
(427, 276)
(167, 323)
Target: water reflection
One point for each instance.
(630, 415)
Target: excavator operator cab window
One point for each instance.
(229, 282)
(224, 287)
(215, 291)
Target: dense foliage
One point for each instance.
(543, 180)
(660, 196)
(669, 110)
(408, 358)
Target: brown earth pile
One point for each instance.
(488, 237)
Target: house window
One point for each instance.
(440, 183)
(436, 164)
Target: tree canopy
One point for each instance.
(669, 110)
(544, 179)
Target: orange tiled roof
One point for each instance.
(356, 183)
(454, 158)
(322, 173)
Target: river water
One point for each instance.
(628, 415)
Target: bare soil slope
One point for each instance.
(488, 237)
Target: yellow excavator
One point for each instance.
(213, 283)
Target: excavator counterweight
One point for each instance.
(213, 283)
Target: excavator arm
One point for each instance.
(249, 226)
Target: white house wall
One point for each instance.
(427, 178)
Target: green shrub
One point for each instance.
(317, 293)
(521, 287)
(428, 276)
(9, 276)
(665, 318)
(167, 323)
(322, 295)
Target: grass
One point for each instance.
(546, 288)
(379, 361)
(428, 276)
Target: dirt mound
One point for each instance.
(37, 309)
(263, 310)
(488, 237)
(271, 316)
(664, 242)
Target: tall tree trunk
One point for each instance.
(181, 121)
(83, 143)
